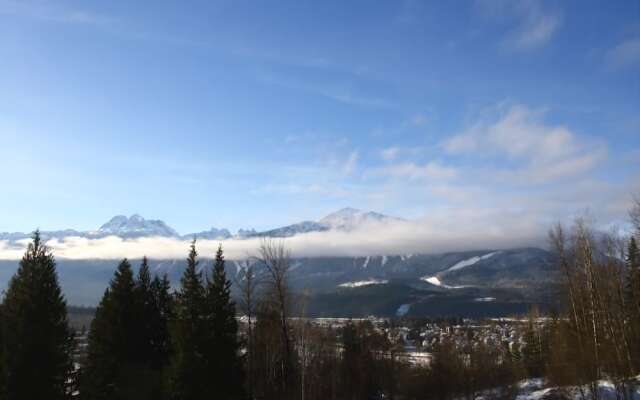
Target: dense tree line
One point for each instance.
(148, 343)
(151, 341)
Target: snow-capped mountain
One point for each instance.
(135, 226)
(350, 218)
(245, 233)
(122, 226)
(346, 219)
(46, 235)
(294, 229)
(213, 233)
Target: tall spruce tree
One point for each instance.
(151, 333)
(111, 352)
(3, 361)
(146, 314)
(37, 338)
(225, 371)
(163, 309)
(128, 341)
(189, 377)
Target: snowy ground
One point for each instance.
(364, 283)
(535, 389)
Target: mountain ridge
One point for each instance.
(135, 226)
(370, 284)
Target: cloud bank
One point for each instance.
(438, 233)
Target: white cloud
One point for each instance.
(536, 31)
(390, 153)
(472, 218)
(295, 189)
(544, 172)
(394, 152)
(338, 91)
(430, 171)
(437, 233)
(418, 120)
(535, 25)
(543, 152)
(51, 12)
(351, 163)
(625, 54)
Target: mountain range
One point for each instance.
(135, 226)
(484, 282)
(470, 283)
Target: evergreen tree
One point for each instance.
(3, 364)
(128, 341)
(146, 315)
(190, 380)
(111, 353)
(151, 333)
(224, 359)
(37, 338)
(163, 308)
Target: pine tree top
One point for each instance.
(35, 309)
(123, 277)
(144, 275)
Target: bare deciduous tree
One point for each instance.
(599, 323)
(635, 213)
(276, 259)
(247, 284)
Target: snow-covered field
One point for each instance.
(364, 283)
(536, 389)
(484, 299)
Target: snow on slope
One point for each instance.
(403, 310)
(484, 299)
(349, 218)
(437, 282)
(433, 280)
(238, 267)
(135, 226)
(468, 262)
(364, 283)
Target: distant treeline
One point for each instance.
(147, 341)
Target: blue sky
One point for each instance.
(245, 114)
